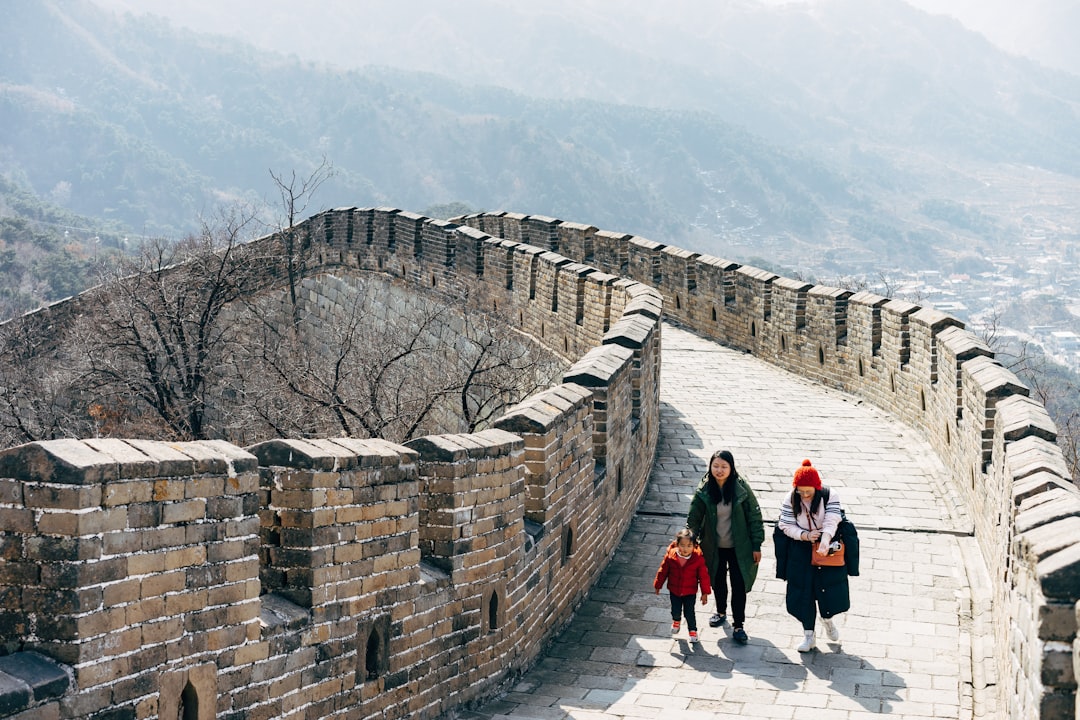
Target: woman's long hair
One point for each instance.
(725, 494)
(796, 502)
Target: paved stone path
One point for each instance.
(906, 646)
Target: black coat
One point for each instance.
(845, 531)
(809, 585)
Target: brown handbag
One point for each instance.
(835, 558)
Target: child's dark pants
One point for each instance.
(684, 605)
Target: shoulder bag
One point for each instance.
(835, 558)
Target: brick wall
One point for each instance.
(133, 563)
(586, 294)
(340, 577)
(921, 366)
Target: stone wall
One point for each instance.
(923, 367)
(381, 572)
(337, 577)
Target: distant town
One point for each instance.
(1000, 305)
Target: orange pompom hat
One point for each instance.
(807, 476)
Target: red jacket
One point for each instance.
(683, 579)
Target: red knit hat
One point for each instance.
(807, 476)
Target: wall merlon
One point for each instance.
(757, 275)
(1032, 454)
(611, 252)
(58, 461)
(578, 227)
(303, 454)
(795, 287)
(131, 462)
(169, 457)
(438, 243)
(597, 367)
(993, 380)
(901, 308)
(649, 248)
(541, 231)
(369, 453)
(641, 299)
(542, 411)
(826, 293)
(1059, 574)
(678, 255)
(631, 331)
(1038, 483)
(1043, 541)
(471, 247)
(1049, 512)
(614, 237)
(644, 260)
(712, 261)
(462, 447)
(963, 344)
(935, 320)
(1020, 416)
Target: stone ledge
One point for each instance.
(279, 615)
(29, 678)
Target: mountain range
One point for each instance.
(838, 137)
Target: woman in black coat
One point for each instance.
(809, 520)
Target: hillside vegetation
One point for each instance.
(823, 151)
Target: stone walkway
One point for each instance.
(906, 646)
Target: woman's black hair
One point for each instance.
(796, 502)
(725, 494)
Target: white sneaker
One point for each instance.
(808, 643)
(830, 629)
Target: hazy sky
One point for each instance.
(1040, 29)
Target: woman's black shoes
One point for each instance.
(717, 620)
(739, 636)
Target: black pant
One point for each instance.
(729, 567)
(684, 605)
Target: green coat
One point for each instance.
(747, 529)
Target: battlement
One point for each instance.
(308, 578)
(923, 367)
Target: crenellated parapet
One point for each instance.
(338, 576)
(323, 577)
(923, 367)
(133, 563)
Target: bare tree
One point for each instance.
(295, 194)
(160, 333)
(378, 371)
(39, 397)
(499, 371)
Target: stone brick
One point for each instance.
(183, 512)
(162, 583)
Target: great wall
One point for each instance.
(360, 578)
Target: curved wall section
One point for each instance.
(340, 577)
(919, 365)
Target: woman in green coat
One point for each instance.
(726, 519)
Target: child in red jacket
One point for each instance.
(684, 569)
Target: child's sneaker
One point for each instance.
(675, 627)
(693, 636)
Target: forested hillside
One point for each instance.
(135, 121)
(851, 140)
